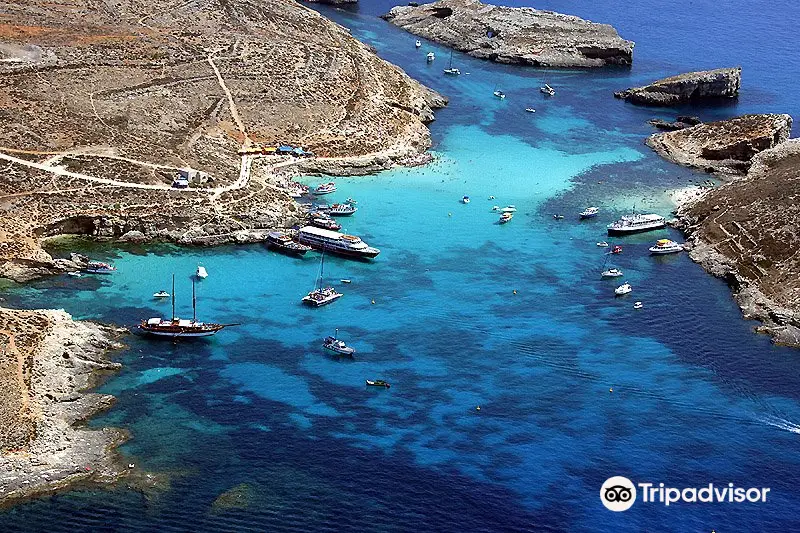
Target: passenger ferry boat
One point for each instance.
(589, 212)
(636, 223)
(325, 188)
(341, 210)
(98, 267)
(334, 242)
(177, 327)
(665, 246)
(278, 240)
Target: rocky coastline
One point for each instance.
(691, 87)
(47, 362)
(744, 232)
(725, 147)
(515, 35)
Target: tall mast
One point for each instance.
(194, 304)
(173, 296)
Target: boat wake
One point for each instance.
(781, 423)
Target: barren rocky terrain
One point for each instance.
(102, 102)
(521, 35)
(725, 146)
(747, 231)
(46, 361)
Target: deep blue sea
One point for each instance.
(459, 312)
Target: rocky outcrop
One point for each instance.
(746, 232)
(685, 88)
(726, 146)
(521, 35)
(333, 2)
(48, 360)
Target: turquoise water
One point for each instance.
(514, 319)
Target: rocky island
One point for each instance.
(519, 35)
(725, 146)
(686, 88)
(745, 231)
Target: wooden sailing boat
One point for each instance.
(177, 327)
(450, 70)
(321, 295)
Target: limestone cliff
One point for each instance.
(725, 146)
(746, 231)
(685, 88)
(515, 35)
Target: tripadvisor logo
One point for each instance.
(618, 493)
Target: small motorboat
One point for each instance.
(530, 110)
(506, 218)
(325, 188)
(342, 210)
(98, 267)
(499, 94)
(612, 273)
(417, 43)
(616, 249)
(638, 305)
(351, 201)
(509, 209)
(161, 294)
(201, 272)
(549, 91)
(602, 244)
(346, 280)
(465, 200)
(623, 289)
(74, 274)
(665, 246)
(495, 207)
(377, 383)
(337, 346)
(558, 217)
(430, 57)
(589, 212)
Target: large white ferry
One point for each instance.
(335, 242)
(636, 223)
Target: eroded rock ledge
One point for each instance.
(685, 88)
(746, 231)
(725, 146)
(47, 360)
(515, 35)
